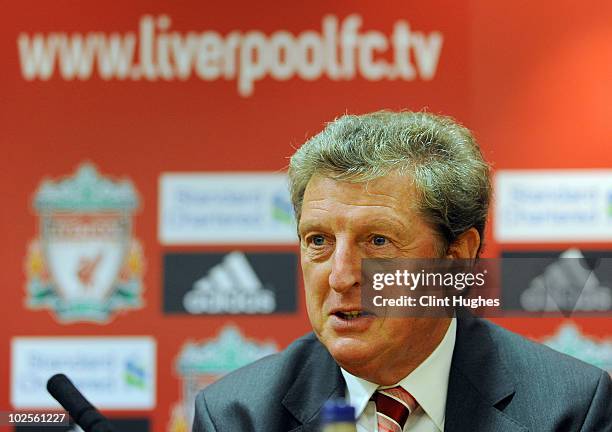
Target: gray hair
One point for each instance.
(440, 156)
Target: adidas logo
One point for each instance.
(565, 286)
(232, 287)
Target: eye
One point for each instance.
(317, 240)
(379, 240)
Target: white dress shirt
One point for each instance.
(428, 384)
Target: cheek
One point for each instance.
(311, 271)
(316, 280)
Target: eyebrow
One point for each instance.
(387, 224)
(375, 224)
(310, 225)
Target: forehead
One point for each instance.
(392, 196)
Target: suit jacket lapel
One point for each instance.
(480, 384)
(318, 380)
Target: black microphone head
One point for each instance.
(79, 408)
(57, 383)
(65, 392)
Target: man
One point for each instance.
(399, 185)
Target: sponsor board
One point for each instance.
(232, 283)
(202, 363)
(237, 208)
(123, 424)
(112, 372)
(569, 340)
(557, 281)
(84, 265)
(553, 206)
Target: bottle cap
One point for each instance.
(337, 411)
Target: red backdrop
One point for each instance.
(532, 81)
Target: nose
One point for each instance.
(346, 267)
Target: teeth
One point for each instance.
(351, 314)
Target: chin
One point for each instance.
(350, 353)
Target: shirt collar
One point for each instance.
(431, 374)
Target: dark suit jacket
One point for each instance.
(499, 381)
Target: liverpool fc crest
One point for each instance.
(85, 264)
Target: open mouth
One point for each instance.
(351, 315)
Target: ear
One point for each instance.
(465, 246)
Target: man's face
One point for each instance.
(342, 223)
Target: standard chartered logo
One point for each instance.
(339, 50)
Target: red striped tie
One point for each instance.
(393, 406)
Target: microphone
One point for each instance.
(79, 408)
